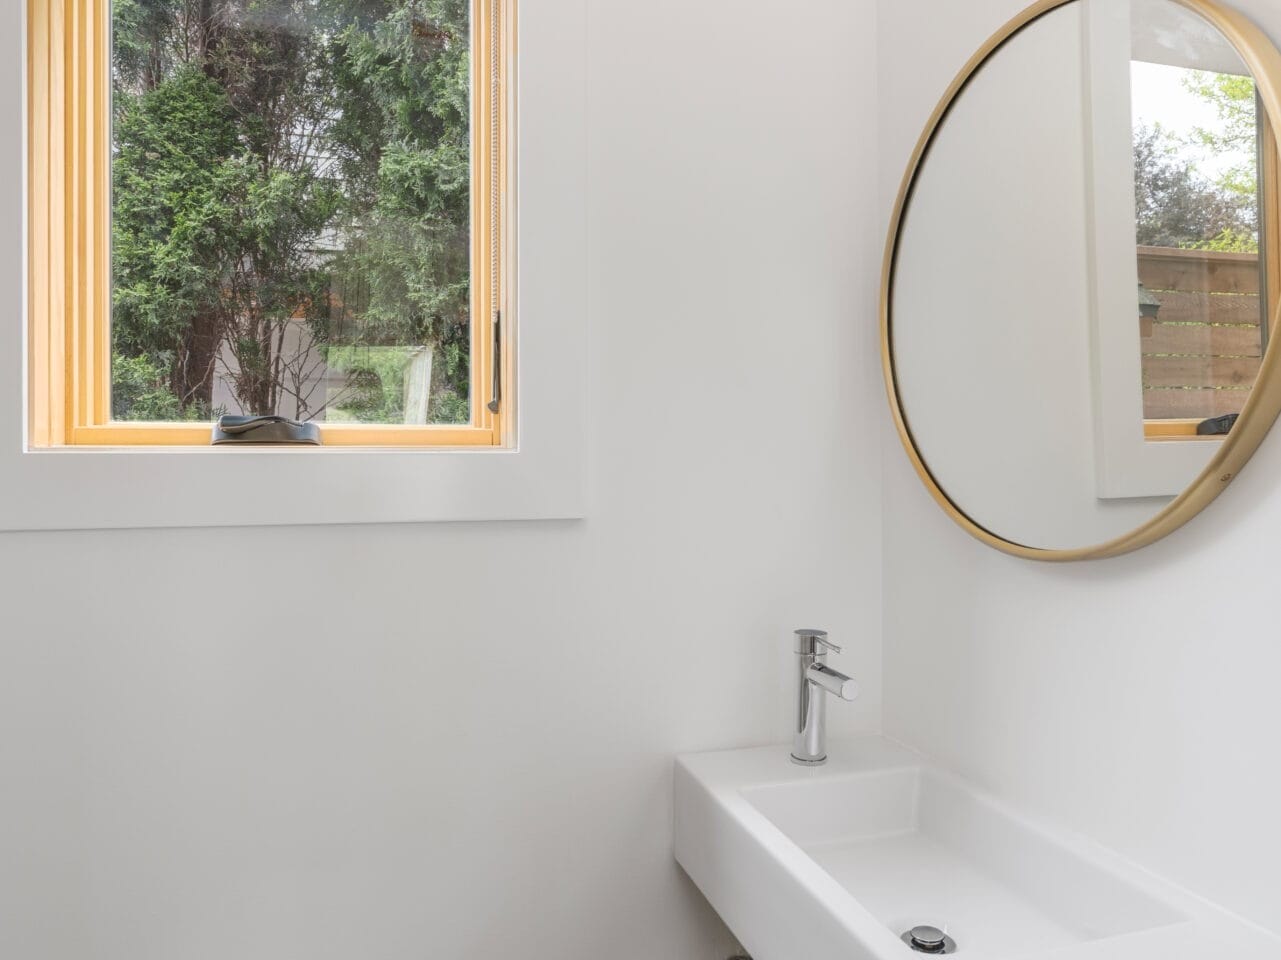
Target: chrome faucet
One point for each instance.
(814, 678)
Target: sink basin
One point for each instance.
(840, 861)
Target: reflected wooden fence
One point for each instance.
(1201, 353)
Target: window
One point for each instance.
(1204, 157)
(292, 207)
(535, 470)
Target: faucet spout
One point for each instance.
(833, 681)
(814, 680)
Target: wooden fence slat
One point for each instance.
(1199, 372)
(1202, 353)
(1203, 340)
(1190, 307)
(1198, 404)
(1162, 268)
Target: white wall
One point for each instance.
(454, 741)
(1133, 699)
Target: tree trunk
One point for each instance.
(194, 369)
(210, 34)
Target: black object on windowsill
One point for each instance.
(1216, 426)
(231, 429)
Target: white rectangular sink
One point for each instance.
(839, 861)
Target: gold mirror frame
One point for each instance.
(1260, 410)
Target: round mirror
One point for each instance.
(1083, 273)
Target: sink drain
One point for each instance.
(926, 939)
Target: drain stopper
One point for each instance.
(927, 939)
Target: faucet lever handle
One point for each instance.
(807, 640)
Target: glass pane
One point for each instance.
(291, 210)
(1196, 150)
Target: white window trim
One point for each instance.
(541, 477)
(1128, 464)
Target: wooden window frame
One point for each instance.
(69, 229)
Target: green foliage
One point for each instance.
(140, 31)
(1234, 100)
(288, 175)
(1177, 207)
(375, 383)
(140, 391)
(1228, 240)
(404, 141)
(1180, 207)
(172, 224)
(451, 403)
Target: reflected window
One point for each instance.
(1202, 291)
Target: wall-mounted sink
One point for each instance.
(841, 861)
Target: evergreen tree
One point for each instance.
(291, 179)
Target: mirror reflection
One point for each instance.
(1202, 320)
(1083, 279)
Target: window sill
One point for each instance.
(107, 487)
